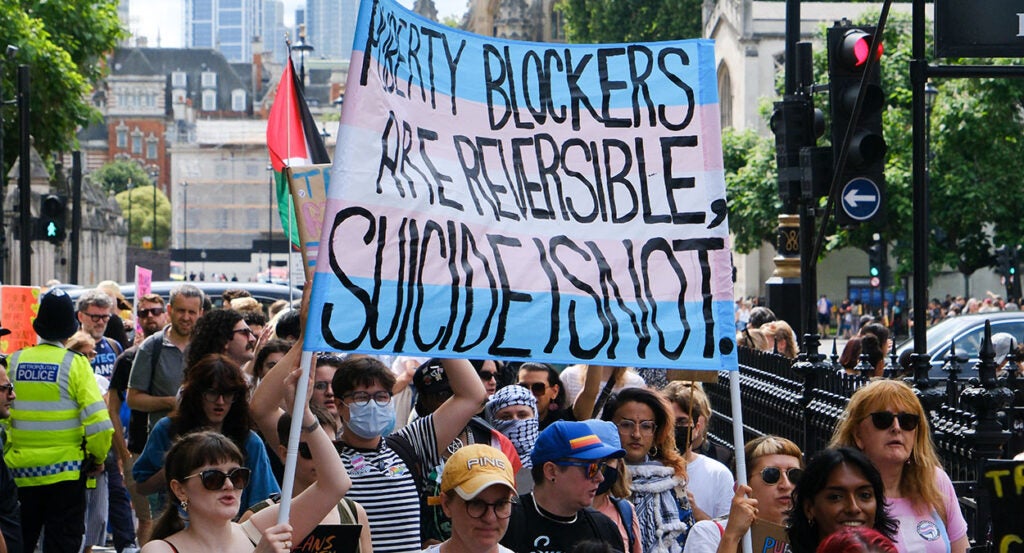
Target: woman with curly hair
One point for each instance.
(885, 420)
(211, 334)
(839, 489)
(647, 431)
(213, 397)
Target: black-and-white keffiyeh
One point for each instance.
(662, 507)
(521, 432)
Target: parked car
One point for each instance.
(967, 331)
(265, 293)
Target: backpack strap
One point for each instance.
(347, 511)
(114, 345)
(625, 510)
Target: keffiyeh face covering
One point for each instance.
(521, 432)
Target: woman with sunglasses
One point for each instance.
(885, 420)
(840, 489)
(647, 432)
(213, 397)
(774, 466)
(206, 477)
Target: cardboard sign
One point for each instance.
(308, 187)
(766, 537)
(1004, 481)
(18, 308)
(331, 538)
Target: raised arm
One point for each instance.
(468, 396)
(583, 407)
(310, 507)
(269, 397)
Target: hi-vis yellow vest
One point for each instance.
(57, 419)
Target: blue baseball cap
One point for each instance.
(571, 440)
(606, 430)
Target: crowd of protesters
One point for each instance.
(182, 415)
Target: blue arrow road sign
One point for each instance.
(861, 199)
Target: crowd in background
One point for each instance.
(399, 454)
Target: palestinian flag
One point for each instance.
(293, 141)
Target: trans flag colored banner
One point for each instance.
(515, 200)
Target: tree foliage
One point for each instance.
(62, 43)
(604, 21)
(137, 208)
(116, 176)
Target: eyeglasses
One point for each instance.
(321, 385)
(213, 479)
(98, 318)
(538, 388)
(591, 468)
(151, 312)
(629, 426)
(245, 330)
(771, 475)
(883, 420)
(362, 398)
(477, 508)
(7, 388)
(213, 395)
(487, 375)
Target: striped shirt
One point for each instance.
(384, 486)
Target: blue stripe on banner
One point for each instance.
(413, 50)
(432, 322)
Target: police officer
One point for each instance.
(59, 429)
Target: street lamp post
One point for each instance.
(184, 229)
(130, 186)
(302, 47)
(153, 176)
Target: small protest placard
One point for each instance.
(1004, 481)
(18, 308)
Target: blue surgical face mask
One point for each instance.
(371, 420)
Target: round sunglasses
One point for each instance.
(213, 479)
(772, 475)
(883, 420)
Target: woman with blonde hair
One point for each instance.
(646, 425)
(885, 420)
(781, 338)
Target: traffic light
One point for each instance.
(877, 263)
(52, 222)
(1003, 262)
(862, 180)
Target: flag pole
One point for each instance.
(292, 456)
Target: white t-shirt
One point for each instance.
(705, 536)
(572, 379)
(436, 548)
(711, 483)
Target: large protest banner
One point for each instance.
(517, 200)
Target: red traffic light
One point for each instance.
(854, 49)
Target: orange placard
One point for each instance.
(19, 307)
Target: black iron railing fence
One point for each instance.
(968, 422)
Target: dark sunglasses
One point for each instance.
(6, 388)
(772, 475)
(98, 318)
(590, 468)
(883, 420)
(538, 388)
(213, 479)
(229, 396)
(151, 312)
(487, 375)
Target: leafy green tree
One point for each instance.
(62, 43)
(137, 208)
(603, 21)
(116, 176)
(752, 189)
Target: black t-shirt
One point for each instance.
(529, 531)
(565, 414)
(138, 430)
(10, 510)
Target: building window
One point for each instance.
(725, 95)
(209, 79)
(122, 135)
(209, 100)
(137, 142)
(151, 144)
(238, 100)
(178, 79)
